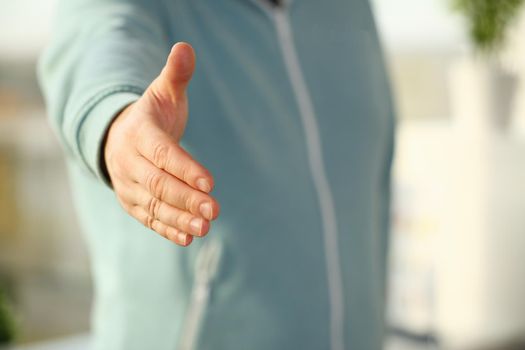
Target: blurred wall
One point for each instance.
(43, 263)
(458, 252)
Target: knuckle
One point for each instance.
(179, 221)
(171, 234)
(160, 231)
(153, 207)
(150, 222)
(158, 227)
(184, 221)
(155, 183)
(160, 155)
(189, 201)
(161, 98)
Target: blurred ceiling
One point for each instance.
(406, 25)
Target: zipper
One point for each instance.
(280, 17)
(206, 266)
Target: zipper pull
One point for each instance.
(207, 261)
(205, 271)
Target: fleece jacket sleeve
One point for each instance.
(102, 56)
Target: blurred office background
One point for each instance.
(43, 266)
(458, 250)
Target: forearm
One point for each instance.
(103, 56)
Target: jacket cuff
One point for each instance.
(92, 134)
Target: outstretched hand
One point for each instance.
(155, 180)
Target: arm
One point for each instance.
(101, 77)
(102, 57)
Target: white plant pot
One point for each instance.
(480, 266)
(482, 94)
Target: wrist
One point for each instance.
(103, 167)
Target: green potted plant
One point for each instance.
(488, 21)
(482, 84)
(7, 325)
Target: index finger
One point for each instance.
(161, 150)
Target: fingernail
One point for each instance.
(203, 185)
(184, 238)
(196, 225)
(205, 209)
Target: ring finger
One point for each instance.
(165, 213)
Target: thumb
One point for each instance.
(176, 74)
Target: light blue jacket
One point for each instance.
(290, 110)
